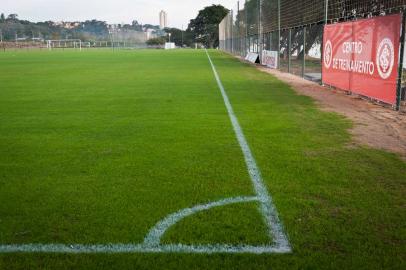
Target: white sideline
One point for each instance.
(267, 207)
(152, 242)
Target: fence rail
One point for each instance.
(294, 28)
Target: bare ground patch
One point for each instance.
(374, 125)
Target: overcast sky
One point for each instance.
(112, 11)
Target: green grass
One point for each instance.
(96, 147)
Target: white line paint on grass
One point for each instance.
(130, 248)
(152, 242)
(154, 236)
(267, 207)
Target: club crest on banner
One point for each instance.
(328, 54)
(385, 58)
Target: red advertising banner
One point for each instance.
(363, 56)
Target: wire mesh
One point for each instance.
(343, 10)
(252, 16)
(269, 15)
(295, 13)
(314, 39)
(295, 51)
(259, 17)
(294, 28)
(284, 50)
(403, 78)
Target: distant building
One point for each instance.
(67, 25)
(150, 33)
(163, 19)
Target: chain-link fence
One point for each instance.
(298, 25)
(294, 28)
(403, 72)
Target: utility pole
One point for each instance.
(111, 32)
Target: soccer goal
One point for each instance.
(65, 43)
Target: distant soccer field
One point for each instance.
(98, 147)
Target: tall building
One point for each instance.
(163, 19)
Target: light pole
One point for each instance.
(182, 35)
(111, 33)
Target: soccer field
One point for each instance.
(142, 160)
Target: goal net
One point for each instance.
(66, 43)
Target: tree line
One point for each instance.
(202, 29)
(12, 29)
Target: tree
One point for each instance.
(150, 26)
(12, 17)
(94, 28)
(136, 25)
(2, 17)
(180, 37)
(156, 41)
(205, 25)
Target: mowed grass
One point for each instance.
(96, 147)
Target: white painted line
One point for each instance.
(130, 248)
(267, 207)
(153, 238)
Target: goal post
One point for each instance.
(65, 43)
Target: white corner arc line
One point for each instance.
(153, 239)
(268, 209)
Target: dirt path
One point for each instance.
(374, 125)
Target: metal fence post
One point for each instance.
(304, 52)
(260, 37)
(289, 48)
(246, 29)
(237, 21)
(400, 72)
(232, 32)
(322, 35)
(279, 33)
